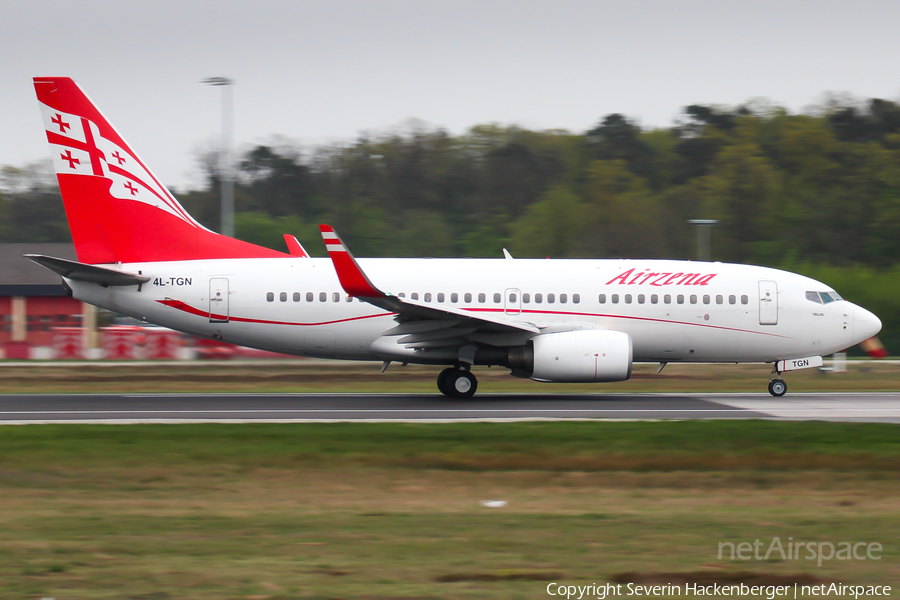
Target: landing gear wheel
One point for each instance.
(777, 387)
(462, 384)
(442, 381)
(457, 383)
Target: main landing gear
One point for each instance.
(457, 383)
(777, 386)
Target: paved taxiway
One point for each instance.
(173, 408)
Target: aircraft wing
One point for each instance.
(357, 284)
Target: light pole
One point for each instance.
(703, 226)
(225, 164)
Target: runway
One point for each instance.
(424, 408)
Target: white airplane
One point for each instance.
(141, 254)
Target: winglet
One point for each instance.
(295, 248)
(352, 278)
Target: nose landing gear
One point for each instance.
(777, 386)
(457, 383)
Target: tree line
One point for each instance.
(785, 187)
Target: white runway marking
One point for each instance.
(832, 407)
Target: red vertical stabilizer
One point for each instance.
(118, 210)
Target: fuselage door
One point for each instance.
(512, 301)
(768, 303)
(218, 300)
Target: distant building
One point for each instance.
(34, 303)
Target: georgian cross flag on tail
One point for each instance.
(80, 148)
(118, 211)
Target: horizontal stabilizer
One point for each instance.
(89, 273)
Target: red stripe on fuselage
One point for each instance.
(195, 311)
(183, 306)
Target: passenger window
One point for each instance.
(719, 299)
(627, 298)
(440, 297)
(309, 296)
(744, 299)
(323, 297)
(667, 299)
(482, 298)
(401, 295)
(497, 298)
(563, 298)
(705, 298)
(732, 299)
(654, 299)
(336, 297)
(283, 296)
(349, 298)
(679, 298)
(526, 298)
(414, 296)
(468, 298)
(513, 299)
(693, 298)
(538, 298)
(454, 297)
(551, 298)
(428, 297)
(602, 298)
(270, 297)
(296, 296)
(640, 298)
(615, 298)
(576, 298)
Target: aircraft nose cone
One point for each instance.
(865, 324)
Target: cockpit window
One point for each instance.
(822, 297)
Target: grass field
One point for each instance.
(394, 510)
(334, 376)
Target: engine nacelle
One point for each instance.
(583, 356)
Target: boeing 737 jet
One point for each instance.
(141, 254)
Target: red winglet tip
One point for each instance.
(349, 273)
(294, 247)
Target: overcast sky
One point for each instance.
(324, 71)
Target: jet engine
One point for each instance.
(583, 356)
